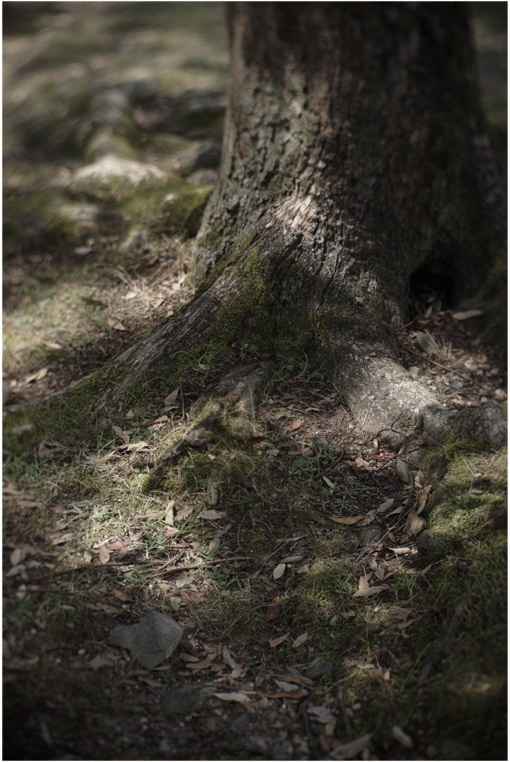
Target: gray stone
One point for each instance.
(151, 641)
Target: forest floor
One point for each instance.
(337, 601)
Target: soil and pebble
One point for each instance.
(242, 579)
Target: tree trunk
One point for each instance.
(355, 158)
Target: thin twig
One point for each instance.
(444, 367)
(170, 569)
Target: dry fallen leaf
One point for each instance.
(347, 520)
(36, 376)
(300, 640)
(122, 435)
(150, 682)
(279, 571)
(320, 714)
(330, 484)
(386, 505)
(296, 424)
(117, 545)
(17, 556)
(121, 595)
(100, 661)
(228, 658)
(213, 492)
(415, 523)
(273, 610)
(171, 397)
(364, 588)
(399, 735)
(285, 686)
(422, 499)
(275, 642)
(241, 698)
(184, 513)
(104, 556)
(351, 749)
(48, 449)
(116, 324)
(212, 515)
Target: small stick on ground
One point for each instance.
(171, 569)
(444, 367)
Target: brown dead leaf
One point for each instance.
(115, 324)
(136, 446)
(386, 505)
(238, 696)
(36, 376)
(189, 658)
(17, 556)
(300, 640)
(362, 463)
(422, 498)
(296, 424)
(273, 610)
(48, 449)
(120, 434)
(364, 588)
(330, 484)
(150, 682)
(291, 559)
(402, 738)
(351, 749)
(100, 661)
(183, 514)
(170, 400)
(279, 571)
(212, 515)
(347, 520)
(275, 642)
(60, 539)
(104, 555)
(415, 523)
(117, 545)
(121, 595)
(202, 664)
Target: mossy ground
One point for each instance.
(75, 485)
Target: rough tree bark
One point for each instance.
(355, 157)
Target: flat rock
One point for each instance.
(151, 641)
